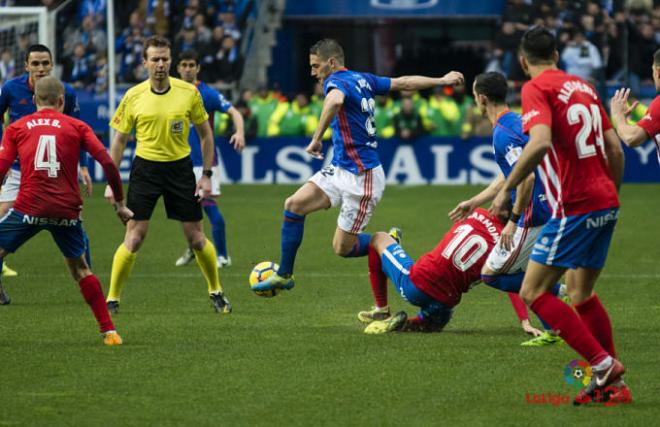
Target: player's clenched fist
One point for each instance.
(453, 78)
(314, 149)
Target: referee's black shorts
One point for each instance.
(175, 181)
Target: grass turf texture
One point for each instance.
(301, 358)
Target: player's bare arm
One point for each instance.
(238, 138)
(523, 196)
(632, 135)
(87, 180)
(540, 139)
(615, 156)
(331, 106)
(205, 133)
(466, 207)
(422, 82)
(117, 147)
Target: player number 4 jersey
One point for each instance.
(574, 171)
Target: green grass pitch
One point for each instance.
(301, 358)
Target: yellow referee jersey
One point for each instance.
(161, 121)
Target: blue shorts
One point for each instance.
(17, 228)
(576, 241)
(396, 265)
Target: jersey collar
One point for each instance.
(497, 120)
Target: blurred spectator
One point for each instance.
(129, 47)
(442, 117)
(203, 31)
(384, 116)
(186, 40)
(224, 126)
(581, 58)
(158, 14)
(507, 46)
(7, 66)
(408, 123)
(293, 118)
(316, 100)
(643, 45)
(227, 61)
(94, 8)
(263, 106)
(519, 13)
(101, 74)
(78, 71)
(91, 36)
(476, 124)
(228, 21)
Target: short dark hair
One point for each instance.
(538, 45)
(493, 85)
(37, 48)
(328, 48)
(656, 58)
(188, 55)
(155, 41)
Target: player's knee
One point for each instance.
(342, 248)
(381, 240)
(133, 241)
(197, 241)
(528, 295)
(290, 204)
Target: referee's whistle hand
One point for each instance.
(203, 189)
(124, 213)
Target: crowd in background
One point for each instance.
(213, 28)
(603, 41)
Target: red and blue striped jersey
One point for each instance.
(354, 128)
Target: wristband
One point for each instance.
(514, 217)
(207, 172)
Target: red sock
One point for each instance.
(377, 278)
(519, 306)
(90, 287)
(595, 317)
(563, 319)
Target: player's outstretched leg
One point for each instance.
(293, 227)
(217, 231)
(378, 280)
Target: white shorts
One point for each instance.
(357, 195)
(215, 178)
(513, 261)
(10, 187)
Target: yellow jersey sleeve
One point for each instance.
(198, 114)
(123, 120)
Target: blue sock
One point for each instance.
(88, 256)
(361, 248)
(292, 235)
(217, 226)
(505, 282)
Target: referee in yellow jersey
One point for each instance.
(161, 110)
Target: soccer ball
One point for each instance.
(261, 272)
